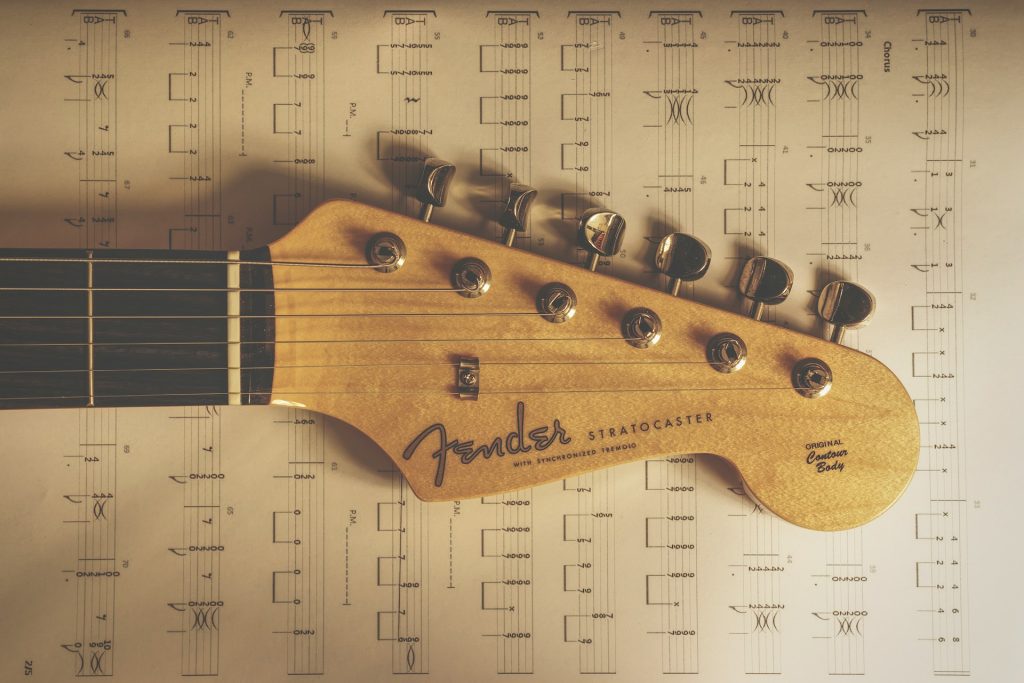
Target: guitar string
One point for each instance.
(299, 315)
(277, 315)
(240, 290)
(280, 394)
(328, 341)
(191, 262)
(370, 365)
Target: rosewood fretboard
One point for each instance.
(81, 332)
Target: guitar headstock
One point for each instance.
(480, 368)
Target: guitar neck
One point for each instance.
(476, 367)
(135, 328)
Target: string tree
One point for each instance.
(683, 258)
(600, 234)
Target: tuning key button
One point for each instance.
(844, 305)
(765, 282)
(387, 251)
(432, 187)
(556, 302)
(600, 233)
(683, 258)
(517, 210)
(642, 328)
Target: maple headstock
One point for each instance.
(558, 399)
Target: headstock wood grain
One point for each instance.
(559, 399)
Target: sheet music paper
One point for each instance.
(878, 142)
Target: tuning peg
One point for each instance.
(600, 233)
(682, 257)
(765, 282)
(844, 305)
(513, 218)
(432, 187)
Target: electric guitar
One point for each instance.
(478, 368)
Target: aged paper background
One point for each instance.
(873, 141)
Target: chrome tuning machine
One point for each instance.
(842, 305)
(600, 234)
(432, 186)
(764, 282)
(517, 211)
(683, 258)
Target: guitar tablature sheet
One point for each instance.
(873, 142)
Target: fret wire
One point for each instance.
(234, 329)
(92, 332)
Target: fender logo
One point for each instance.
(513, 443)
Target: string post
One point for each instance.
(726, 352)
(641, 328)
(556, 302)
(471, 277)
(387, 251)
(812, 378)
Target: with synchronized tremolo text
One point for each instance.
(477, 368)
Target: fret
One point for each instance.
(234, 332)
(106, 352)
(258, 380)
(91, 330)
